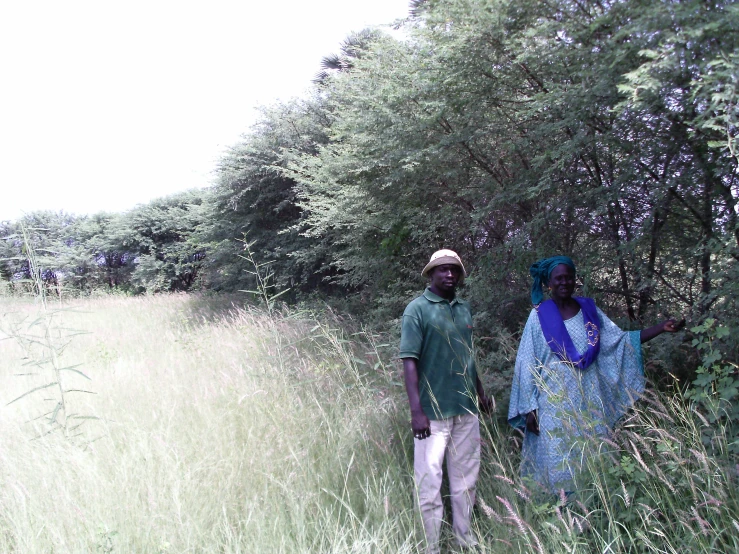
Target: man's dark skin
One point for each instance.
(444, 280)
(562, 286)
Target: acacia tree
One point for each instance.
(51, 236)
(160, 237)
(506, 130)
(114, 263)
(687, 81)
(255, 200)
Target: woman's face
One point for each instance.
(562, 282)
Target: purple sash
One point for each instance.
(559, 339)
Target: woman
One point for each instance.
(576, 374)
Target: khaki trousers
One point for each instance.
(457, 438)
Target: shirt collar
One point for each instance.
(431, 297)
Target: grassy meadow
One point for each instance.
(218, 428)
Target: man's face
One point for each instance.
(445, 277)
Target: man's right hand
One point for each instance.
(419, 422)
(421, 425)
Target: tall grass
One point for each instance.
(215, 436)
(43, 339)
(209, 443)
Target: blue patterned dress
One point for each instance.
(573, 405)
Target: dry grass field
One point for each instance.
(207, 427)
(216, 431)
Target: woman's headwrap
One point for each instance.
(541, 271)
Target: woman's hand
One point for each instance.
(532, 422)
(672, 326)
(668, 326)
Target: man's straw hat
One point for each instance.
(442, 257)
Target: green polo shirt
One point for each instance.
(438, 333)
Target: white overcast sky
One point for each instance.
(105, 105)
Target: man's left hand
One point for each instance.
(487, 405)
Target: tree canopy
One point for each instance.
(506, 130)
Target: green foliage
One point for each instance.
(715, 389)
(111, 261)
(162, 237)
(509, 131)
(719, 89)
(650, 486)
(56, 250)
(288, 432)
(664, 480)
(252, 196)
(505, 130)
(266, 290)
(156, 247)
(42, 338)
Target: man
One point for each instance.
(444, 393)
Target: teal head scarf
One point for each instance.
(541, 271)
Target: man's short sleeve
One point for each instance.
(411, 334)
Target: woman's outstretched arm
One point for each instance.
(668, 326)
